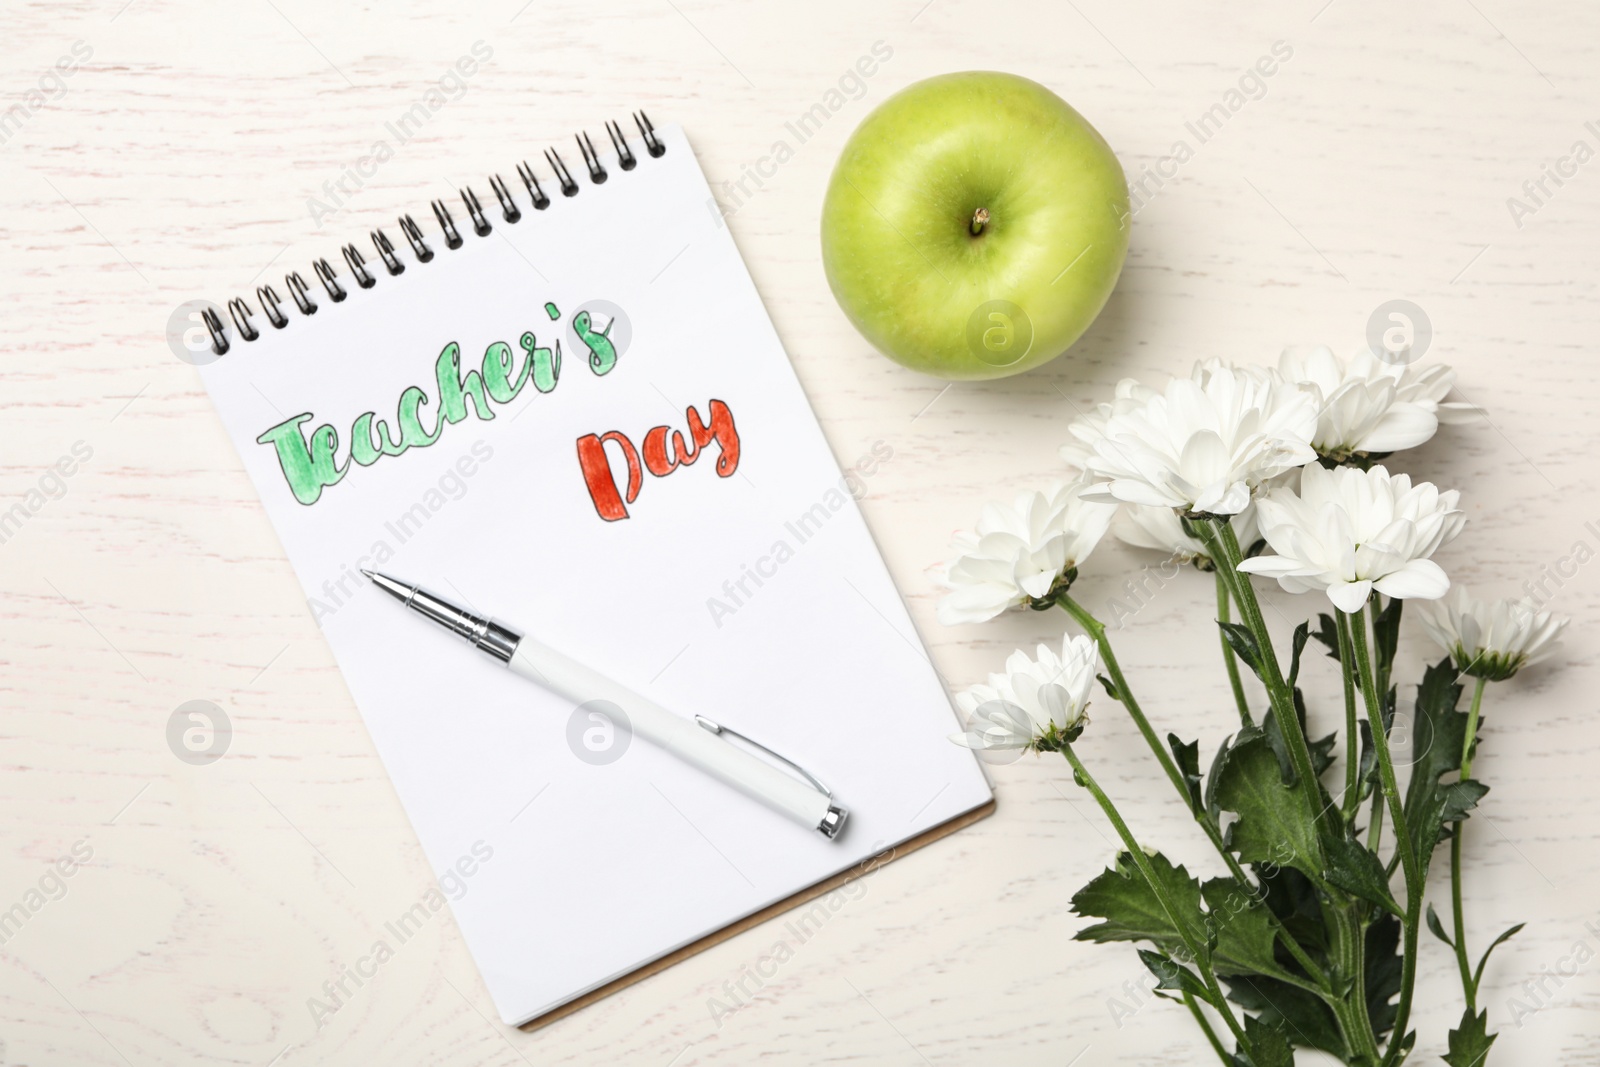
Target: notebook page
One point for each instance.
(743, 586)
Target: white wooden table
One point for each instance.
(178, 160)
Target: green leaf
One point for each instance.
(1321, 749)
(1215, 773)
(1327, 635)
(1111, 688)
(1384, 969)
(1171, 974)
(1458, 798)
(1367, 765)
(1301, 634)
(1477, 977)
(1133, 912)
(1188, 757)
(1438, 735)
(1438, 929)
(1277, 824)
(1291, 896)
(1246, 937)
(1386, 635)
(1307, 1020)
(1356, 870)
(1470, 1041)
(1243, 643)
(1269, 1045)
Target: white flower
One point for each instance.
(1161, 529)
(1491, 639)
(1018, 552)
(1035, 700)
(1428, 385)
(1350, 531)
(1087, 429)
(1362, 411)
(1203, 446)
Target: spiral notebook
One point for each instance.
(563, 405)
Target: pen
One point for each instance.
(699, 742)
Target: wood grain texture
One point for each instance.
(179, 163)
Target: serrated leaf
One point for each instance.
(1303, 1016)
(1301, 634)
(1170, 974)
(1133, 912)
(1470, 1041)
(1439, 731)
(1188, 756)
(1477, 977)
(1269, 1045)
(1277, 824)
(1243, 643)
(1356, 870)
(1246, 938)
(1438, 928)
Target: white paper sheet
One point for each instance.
(597, 869)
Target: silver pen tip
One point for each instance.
(393, 586)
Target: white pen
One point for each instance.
(699, 741)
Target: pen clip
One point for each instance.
(787, 762)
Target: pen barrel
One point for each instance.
(685, 738)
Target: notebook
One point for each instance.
(563, 405)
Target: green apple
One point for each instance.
(974, 226)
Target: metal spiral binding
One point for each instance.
(452, 237)
(480, 224)
(273, 309)
(301, 293)
(269, 303)
(391, 262)
(329, 282)
(358, 267)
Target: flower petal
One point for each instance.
(1421, 578)
(1349, 597)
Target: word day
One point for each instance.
(663, 451)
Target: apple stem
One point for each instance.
(979, 217)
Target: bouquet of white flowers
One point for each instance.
(1270, 471)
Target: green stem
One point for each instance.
(1404, 843)
(1469, 988)
(1228, 656)
(1352, 746)
(1354, 1019)
(1228, 557)
(1201, 958)
(1097, 631)
(1207, 1029)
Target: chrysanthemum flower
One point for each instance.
(1087, 429)
(1036, 703)
(1362, 413)
(1350, 531)
(1016, 553)
(1491, 639)
(1203, 446)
